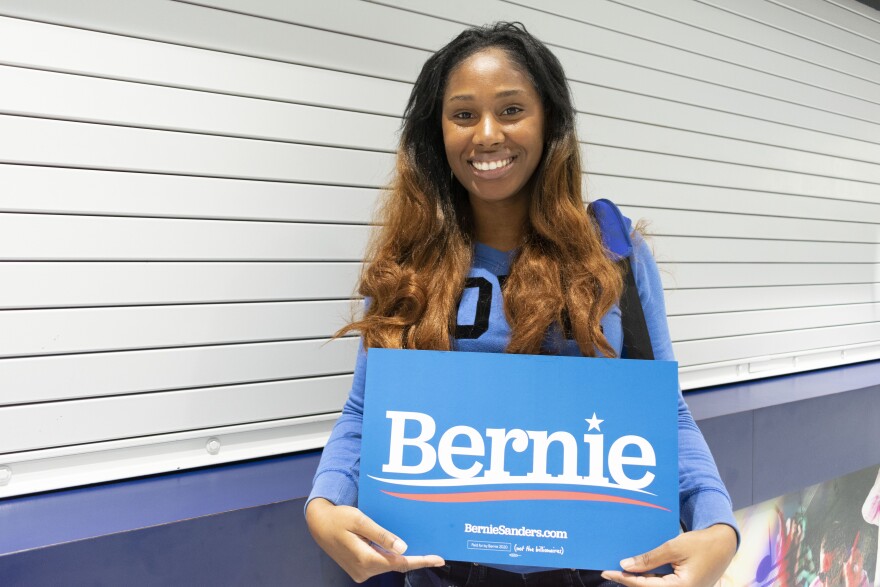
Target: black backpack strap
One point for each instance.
(615, 235)
(636, 339)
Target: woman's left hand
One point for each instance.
(698, 559)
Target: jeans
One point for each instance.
(457, 574)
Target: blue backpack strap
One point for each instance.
(615, 228)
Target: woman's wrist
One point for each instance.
(724, 529)
(724, 535)
(316, 506)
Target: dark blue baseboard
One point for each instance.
(232, 525)
(85, 512)
(777, 436)
(261, 545)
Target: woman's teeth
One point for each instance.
(490, 165)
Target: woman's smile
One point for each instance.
(491, 169)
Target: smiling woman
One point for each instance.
(500, 172)
(487, 195)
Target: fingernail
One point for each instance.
(627, 563)
(606, 576)
(399, 546)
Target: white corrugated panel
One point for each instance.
(187, 189)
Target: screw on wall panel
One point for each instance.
(213, 446)
(5, 475)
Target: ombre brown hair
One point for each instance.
(420, 255)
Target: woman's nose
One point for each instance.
(488, 132)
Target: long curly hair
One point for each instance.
(419, 257)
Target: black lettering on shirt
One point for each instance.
(484, 308)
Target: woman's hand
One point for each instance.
(358, 544)
(698, 559)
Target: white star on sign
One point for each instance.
(593, 422)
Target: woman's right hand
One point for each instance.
(358, 544)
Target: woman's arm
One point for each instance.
(700, 556)
(336, 479)
(358, 544)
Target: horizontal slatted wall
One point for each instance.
(185, 200)
(186, 188)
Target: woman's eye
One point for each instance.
(463, 115)
(511, 110)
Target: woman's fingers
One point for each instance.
(368, 558)
(366, 527)
(421, 562)
(402, 564)
(650, 560)
(359, 545)
(631, 580)
(643, 563)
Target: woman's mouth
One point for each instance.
(492, 165)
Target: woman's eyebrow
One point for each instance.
(501, 94)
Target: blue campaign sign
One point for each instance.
(541, 461)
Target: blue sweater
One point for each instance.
(482, 327)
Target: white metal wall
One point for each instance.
(185, 188)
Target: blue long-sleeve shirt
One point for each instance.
(482, 327)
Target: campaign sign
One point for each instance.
(540, 461)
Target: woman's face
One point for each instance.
(493, 127)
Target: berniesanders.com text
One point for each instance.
(502, 530)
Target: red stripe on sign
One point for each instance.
(521, 495)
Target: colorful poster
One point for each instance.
(519, 459)
(822, 536)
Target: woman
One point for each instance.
(488, 184)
